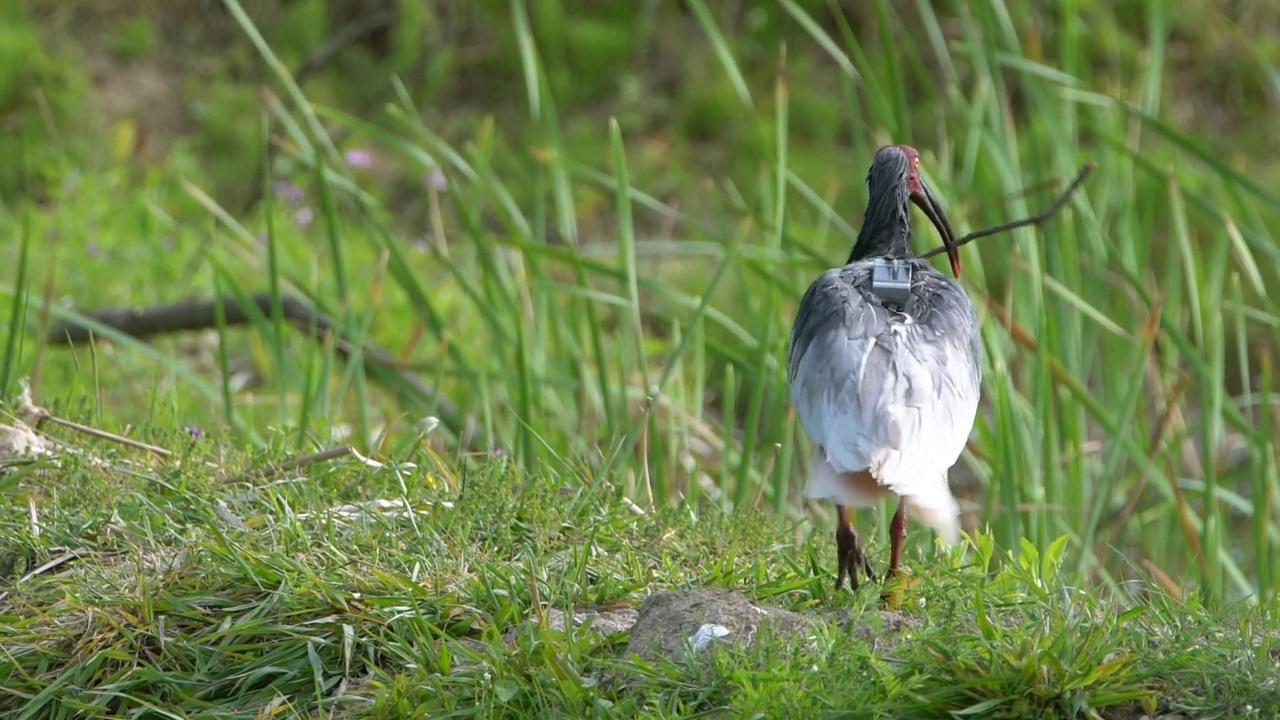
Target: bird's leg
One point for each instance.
(850, 560)
(896, 580)
(897, 536)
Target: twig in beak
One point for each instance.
(1033, 220)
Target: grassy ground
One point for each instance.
(588, 230)
(161, 590)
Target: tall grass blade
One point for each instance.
(755, 407)
(17, 313)
(722, 51)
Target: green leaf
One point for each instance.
(506, 690)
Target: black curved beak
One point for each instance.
(927, 202)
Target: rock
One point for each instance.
(20, 441)
(673, 623)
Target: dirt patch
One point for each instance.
(602, 623)
(682, 625)
(875, 627)
(672, 624)
(679, 624)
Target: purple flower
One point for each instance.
(303, 217)
(92, 249)
(359, 158)
(288, 192)
(436, 180)
(195, 432)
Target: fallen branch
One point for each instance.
(273, 469)
(1036, 220)
(33, 415)
(185, 315)
(104, 435)
(198, 314)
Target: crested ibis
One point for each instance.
(884, 369)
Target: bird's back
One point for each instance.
(892, 390)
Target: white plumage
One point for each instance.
(879, 391)
(886, 380)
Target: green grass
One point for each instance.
(600, 269)
(164, 588)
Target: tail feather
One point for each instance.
(938, 509)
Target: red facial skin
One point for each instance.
(921, 195)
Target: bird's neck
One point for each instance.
(886, 232)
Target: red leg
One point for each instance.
(897, 536)
(850, 560)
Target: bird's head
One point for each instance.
(894, 179)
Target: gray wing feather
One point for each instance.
(893, 391)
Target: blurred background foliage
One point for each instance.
(168, 79)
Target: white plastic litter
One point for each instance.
(706, 634)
